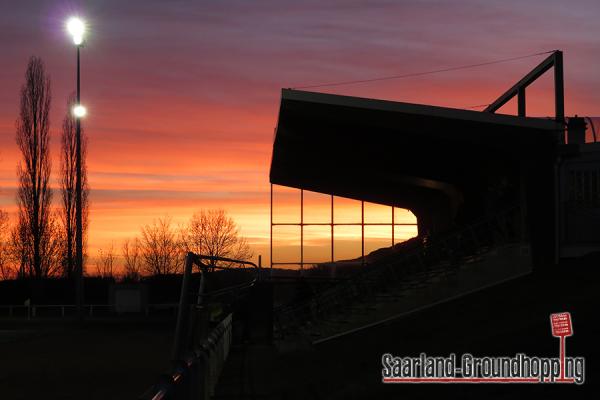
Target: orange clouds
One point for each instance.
(183, 97)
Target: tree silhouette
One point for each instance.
(160, 249)
(133, 260)
(6, 270)
(34, 195)
(68, 176)
(105, 262)
(214, 233)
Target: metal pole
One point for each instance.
(393, 226)
(521, 102)
(183, 309)
(559, 88)
(362, 228)
(78, 211)
(203, 270)
(301, 230)
(559, 104)
(271, 234)
(562, 358)
(333, 268)
(332, 235)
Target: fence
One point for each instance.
(198, 356)
(196, 376)
(70, 310)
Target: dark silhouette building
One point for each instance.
(451, 167)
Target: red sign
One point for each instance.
(561, 324)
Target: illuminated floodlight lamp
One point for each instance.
(79, 111)
(76, 27)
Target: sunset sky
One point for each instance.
(183, 95)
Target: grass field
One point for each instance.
(117, 360)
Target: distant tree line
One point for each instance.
(160, 247)
(41, 242)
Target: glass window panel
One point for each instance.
(317, 207)
(317, 244)
(286, 244)
(346, 210)
(286, 204)
(378, 213)
(347, 242)
(377, 237)
(404, 216)
(404, 232)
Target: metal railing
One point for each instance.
(198, 355)
(196, 376)
(70, 310)
(413, 267)
(183, 328)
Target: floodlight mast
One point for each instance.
(76, 28)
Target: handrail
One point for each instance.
(198, 257)
(195, 376)
(183, 312)
(453, 234)
(215, 293)
(198, 369)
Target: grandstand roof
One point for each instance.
(397, 153)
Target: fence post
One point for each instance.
(259, 267)
(183, 311)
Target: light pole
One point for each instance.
(76, 28)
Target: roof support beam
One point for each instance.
(522, 103)
(553, 60)
(559, 88)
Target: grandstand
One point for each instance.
(506, 210)
(495, 196)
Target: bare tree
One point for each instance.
(160, 249)
(133, 259)
(214, 233)
(52, 248)
(6, 268)
(20, 247)
(34, 193)
(68, 176)
(105, 262)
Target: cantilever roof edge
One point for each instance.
(420, 109)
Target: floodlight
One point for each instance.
(79, 111)
(76, 27)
